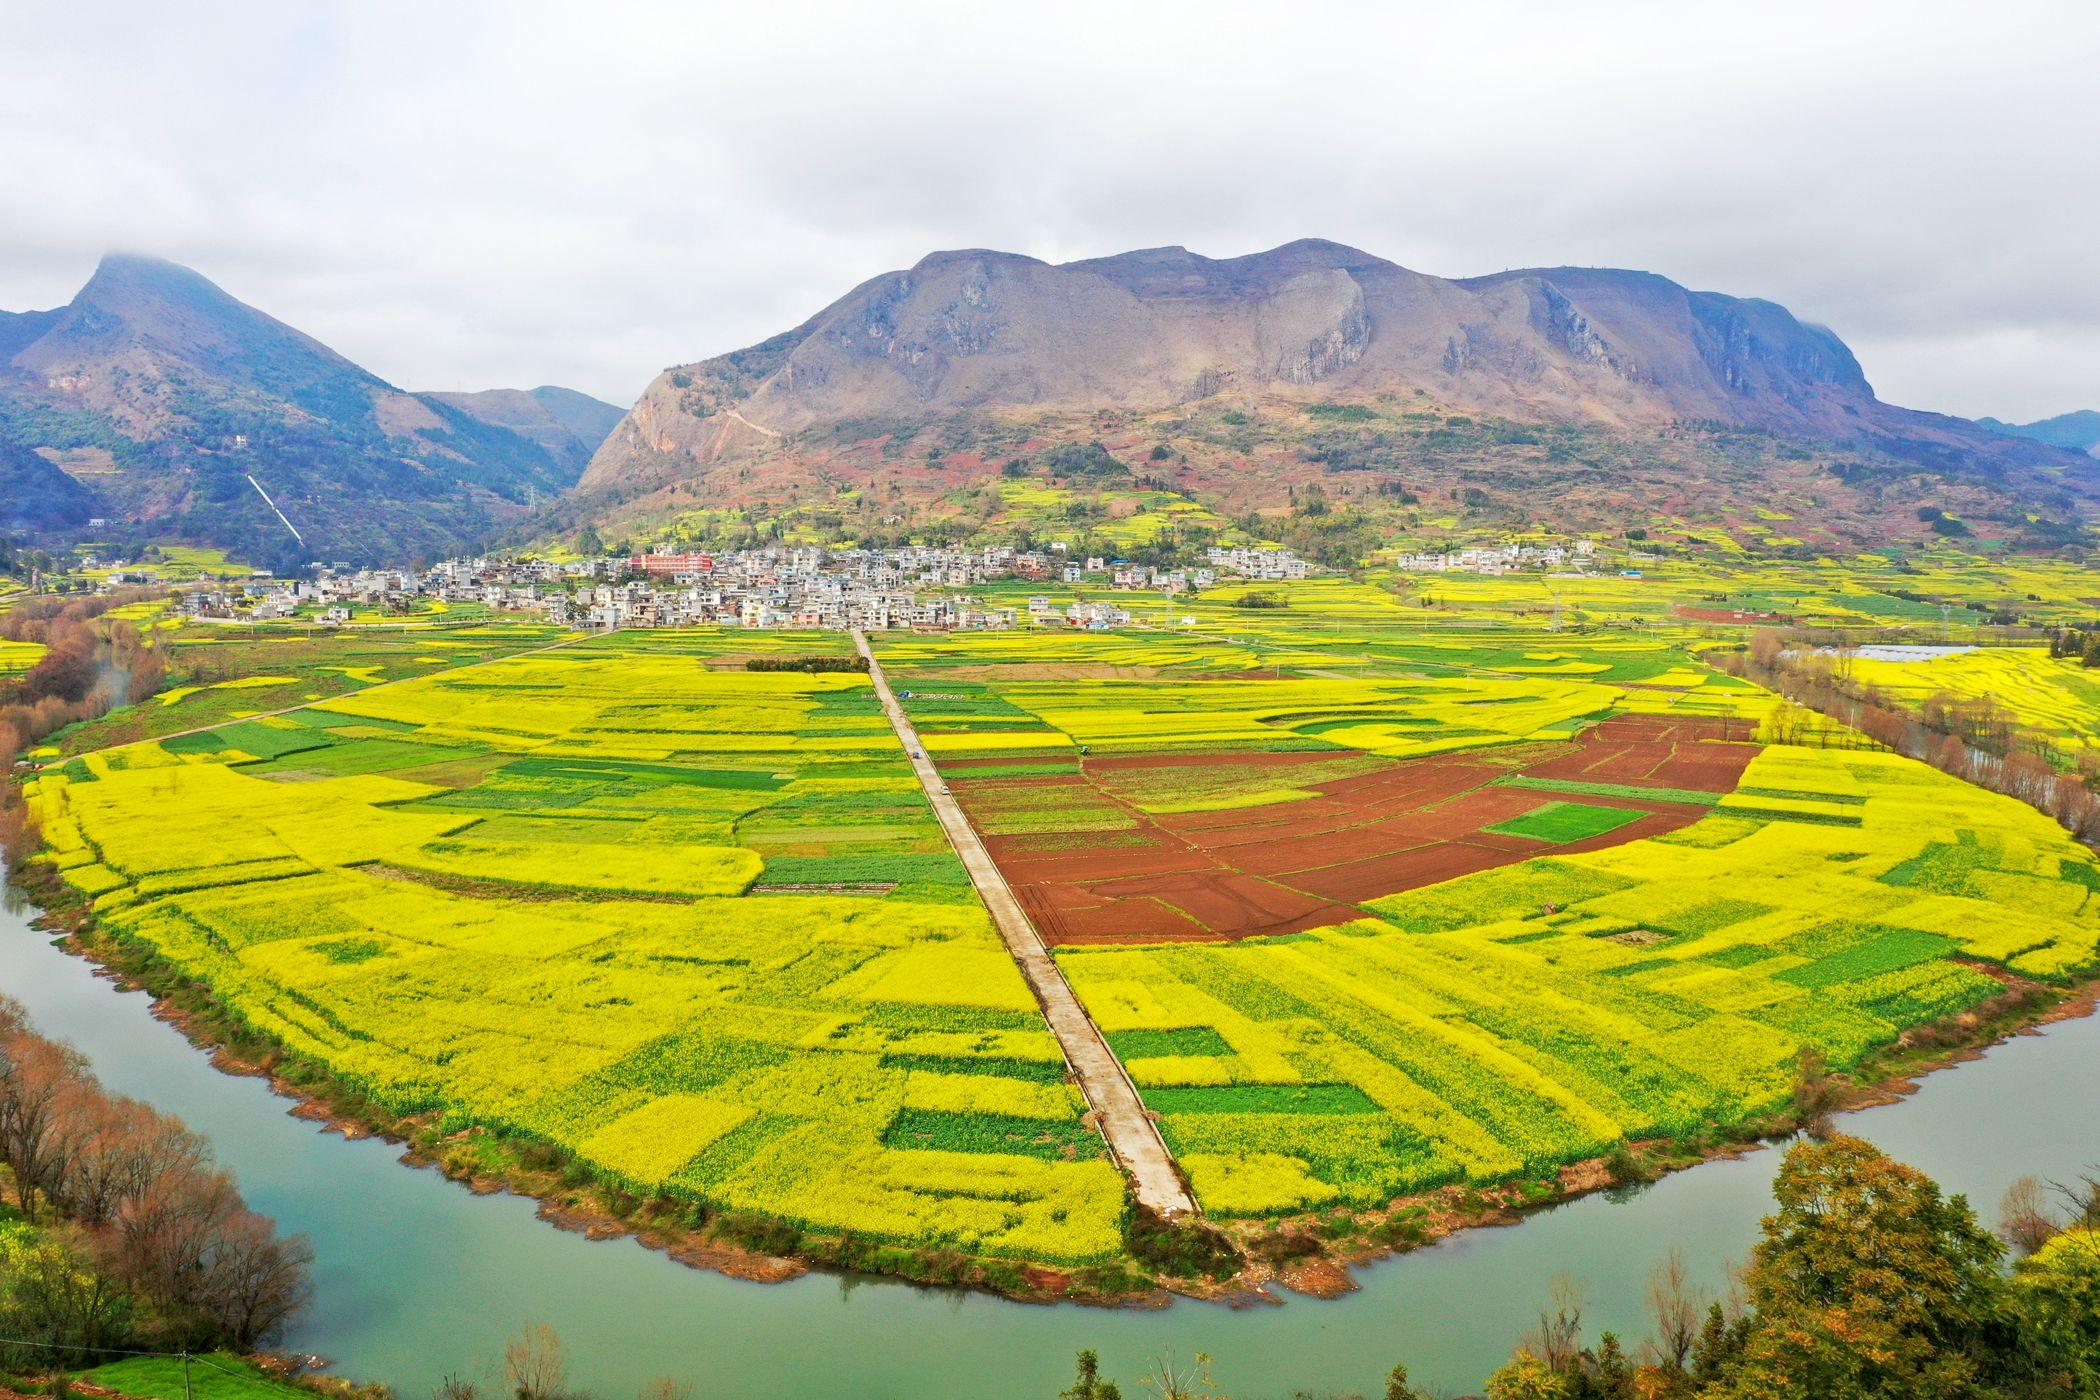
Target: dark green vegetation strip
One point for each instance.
(1842, 799)
(943, 1130)
(1182, 1040)
(1897, 948)
(1566, 821)
(1261, 1098)
(1578, 788)
(975, 772)
(262, 740)
(1035, 1071)
(603, 770)
(1780, 814)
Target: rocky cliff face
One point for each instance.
(988, 332)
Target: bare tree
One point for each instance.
(1678, 1307)
(2082, 1197)
(2025, 1222)
(1557, 1340)
(536, 1364)
(254, 1282)
(1816, 1092)
(37, 1080)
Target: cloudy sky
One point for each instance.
(462, 195)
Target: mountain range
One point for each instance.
(1580, 394)
(1318, 387)
(2074, 432)
(164, 406)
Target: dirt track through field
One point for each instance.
(1132, 1136)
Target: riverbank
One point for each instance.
(1886, 1076)
(740, 1244)
(1316, 1255)
(417, 1277)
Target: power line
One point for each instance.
(183, 1356)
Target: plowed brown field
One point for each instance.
(1301, 864)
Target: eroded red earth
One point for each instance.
(1308, 863)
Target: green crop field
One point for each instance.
(698, 926)
(1565, 821)
(2057, 699)
(19, 656)
(1511, 1021)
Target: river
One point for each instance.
(416, 1277)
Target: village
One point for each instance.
(914, 587)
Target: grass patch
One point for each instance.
(1566, 821)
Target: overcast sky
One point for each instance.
(470, 195)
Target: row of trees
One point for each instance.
(92, 665)
(1974, 740)
(2081, 644)
(138, 1238)
(1867, 1283)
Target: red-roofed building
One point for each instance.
(671, 565)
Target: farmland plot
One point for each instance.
(1510, 1021)
(696, 925)
(1220, 844)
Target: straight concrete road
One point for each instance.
(1131, 1134)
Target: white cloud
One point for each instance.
(490, 193)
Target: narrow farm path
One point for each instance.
(309, 704)
(1132, 1136)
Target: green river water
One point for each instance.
(415, 1277)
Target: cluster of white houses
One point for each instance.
(806, 587)
(1499, 558)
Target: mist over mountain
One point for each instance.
(159, 396)
(1007, 350)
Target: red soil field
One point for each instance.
(1692, 614)
(1304, 864)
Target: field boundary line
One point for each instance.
(1132, 1135)
(309, 704)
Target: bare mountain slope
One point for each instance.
(987, 333)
